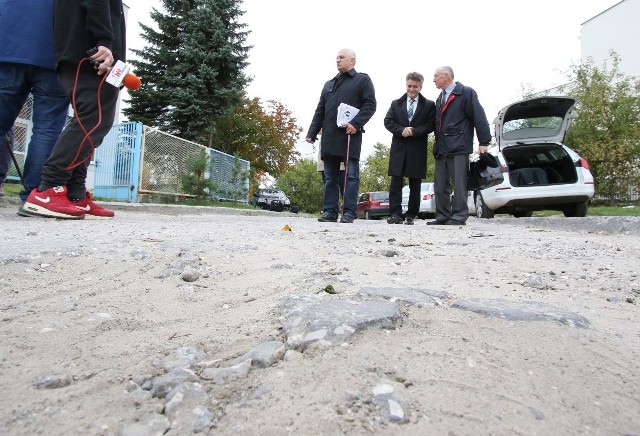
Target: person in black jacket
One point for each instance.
(342, 143)
(78, 27)
(458, 113)
(410, 119)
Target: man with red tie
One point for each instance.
(458, 113)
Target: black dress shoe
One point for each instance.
(436, 223)
(326, 218)
(395, 219)
(408, 220)
(453, 222)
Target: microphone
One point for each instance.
(118, 74)
(131, 82)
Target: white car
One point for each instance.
(427, 200)
(540, 172)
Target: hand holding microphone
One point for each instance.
(119, 74)
(101, 58)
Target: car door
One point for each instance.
(362, 205)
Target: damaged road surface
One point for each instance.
(217, 321)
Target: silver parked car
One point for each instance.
(427, 200)
(540, 172)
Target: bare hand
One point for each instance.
(105, 57)
(408, 131)
(350, 129)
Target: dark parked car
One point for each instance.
(373, 204)
(271, 199)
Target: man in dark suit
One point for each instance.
(410, 119)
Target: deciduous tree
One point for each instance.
(374, 170)
(263, 133)
(303, 185)
(607, 131)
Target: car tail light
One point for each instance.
(583, 163)
(426, 197)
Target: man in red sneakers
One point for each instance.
(54, 203)
(79, 27)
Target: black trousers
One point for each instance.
(395, 196)
(94, 103)
(453, 168)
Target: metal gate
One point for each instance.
(117, 163)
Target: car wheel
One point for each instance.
(366, 215)
(576, 210)
(523, 214)
(482, 211)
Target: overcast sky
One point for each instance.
(494, 46)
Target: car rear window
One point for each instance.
(378, 196)
(531, 127)
(270, 192)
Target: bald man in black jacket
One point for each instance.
(342, 143)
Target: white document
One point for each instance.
(346, 113)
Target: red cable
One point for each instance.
(87, 136)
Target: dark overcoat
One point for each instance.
(456, 120)
(410, 153)
(355, 89)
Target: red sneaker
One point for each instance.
(52, 203)
(91, 209)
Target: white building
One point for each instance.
(614, 29)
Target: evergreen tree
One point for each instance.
(192, 67)
(195, 181)
(238, 180)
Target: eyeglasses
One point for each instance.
(439, 74)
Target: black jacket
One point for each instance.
(455, 123)
(355, 89)
(80, 25)
(410, 153)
